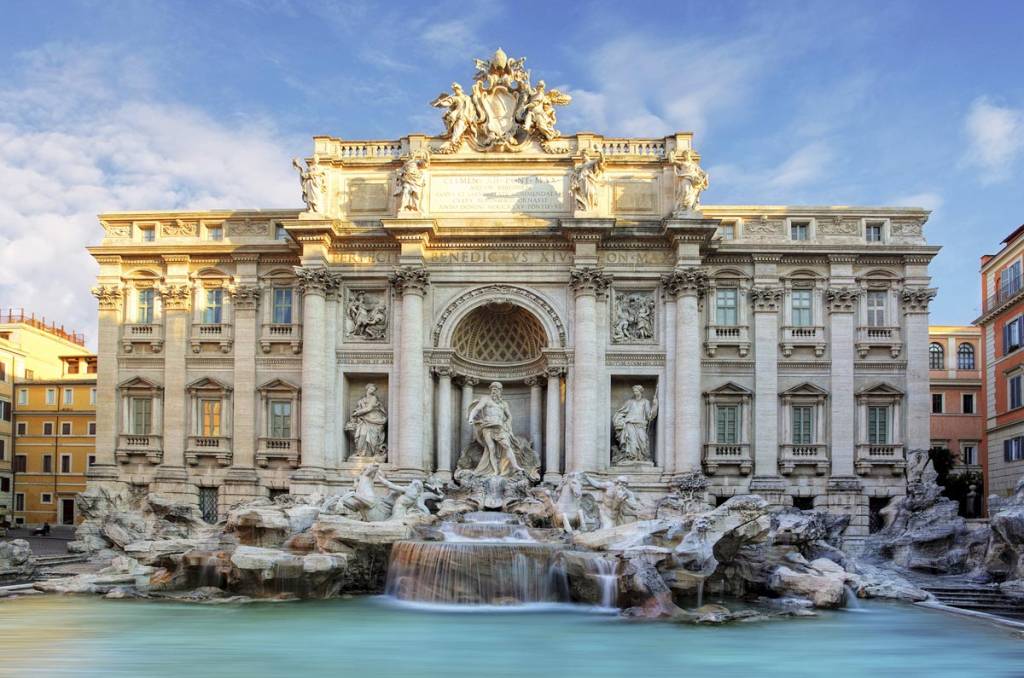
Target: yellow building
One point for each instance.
(32, 349)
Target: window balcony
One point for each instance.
(281, 333)
(278, 449)
(880, 456)
(794, 336)
(142, 333)
(130, 445)
(727, 335)
(217, 333)
(792, 456)
(217, 448)
(728, 454)
(879, 337)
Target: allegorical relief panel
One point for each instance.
(505, 193)
(633, 317)
(366, 315)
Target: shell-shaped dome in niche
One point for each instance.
(499, 333)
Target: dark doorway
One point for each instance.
(67, 511)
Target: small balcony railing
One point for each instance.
(281, 333)
(146, 445)
(727, 335)
(211, 333)
(142, 333)
(794, 336)
(217, 448)
(278, 449)
(879, 337)
(791, 456)
(728, 454)
(884, 455)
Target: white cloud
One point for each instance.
(82, 136)
(926, 199)
(995, 138)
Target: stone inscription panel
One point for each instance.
(367, 196)
(498, 193)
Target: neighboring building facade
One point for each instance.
(954, 362)
(54, 443)
(1002, 327)
(30, 348)
(786, 346)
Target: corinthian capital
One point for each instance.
(589, 280)
(841, 299)
(410, 279)
(245, 297)
(683, 282)
(916, 300)
(316, 280)
(108, 296)
(176, 297)
(766, 299)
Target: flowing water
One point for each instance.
(373, 636)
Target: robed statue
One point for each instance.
(368, 425)
(632, 423)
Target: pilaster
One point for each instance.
(242, 480)
(841, 303)
(111, 302)
(915, 321)
(586, 282)
(766, 301)
(410, 283)
(688, 286)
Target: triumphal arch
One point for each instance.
(504, 300)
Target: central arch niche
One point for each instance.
(499, 334)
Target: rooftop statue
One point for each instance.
(314, 183)
(692, 182)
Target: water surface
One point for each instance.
(80, 636)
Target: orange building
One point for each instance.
(954, 361)
(1002, 327)
(54, 442)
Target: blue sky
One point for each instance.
(118, 105)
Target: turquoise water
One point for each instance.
(64, 636)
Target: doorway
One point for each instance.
(67, 511)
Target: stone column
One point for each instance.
(410, 283)
(241, 480)
(314, 283)
(667, 406)
(171, 478)
(332, 416)
(841, 303)
(536, 413)
(553, 429)
(766, 302)
(586, 282)
(444, 422)
(110, 299)
(915, 343)
(687, 285)
(467, 398)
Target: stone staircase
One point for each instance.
(979, 598)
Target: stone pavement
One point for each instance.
(56, 544)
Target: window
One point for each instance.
(20, 463)
(214, 232)
(800, 230)
(727, 231)
(209, 423)
(282, 298)
(144, 306)
(936, 357)
(208, 503)
(967, 403)
(803, 425)
(213, 311)
(873, 231)
(965, 357)
(280, 419)
(69, 396)
(801, 308)
(148, 234)
(1013, 449)
(1012, 334)
(47, 428)
(878, 425)
(969, 454)
(1009, 280)
(141, 414)
(47, 463)
(92, 460)
(30, 374)
(45, 498)
(5, 484)
(803, 503)
(280, 233)
(65, 428)
(92, 428)
(3, 371)
(1014, 384)
(725, 306)
(23, 396)
(726, 424)
(92, 396)
(19, 502)
(936, 403)
(22, 428)
(5, 410)
(875, 301)
(65, 463)
(3, 449)
(51, 396)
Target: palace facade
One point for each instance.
(781, 350)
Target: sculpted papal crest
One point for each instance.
(504, 110)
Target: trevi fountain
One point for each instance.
(616, 488)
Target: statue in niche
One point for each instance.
(692, 182)
(368, 427)
(410, 181)
(314, 183)
(632, 423)
(619, 504)
(585, 179)
(496, 450)
(367, 318)
(634, 318)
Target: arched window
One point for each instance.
(965, 357)
(936, 357)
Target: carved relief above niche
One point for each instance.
(633, 317)
(366, 314)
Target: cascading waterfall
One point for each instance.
(603, 570)
(488, 560)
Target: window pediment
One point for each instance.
(807, 390)
(208, 385)
(278, 386)
(140, 386)
(730, 388)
